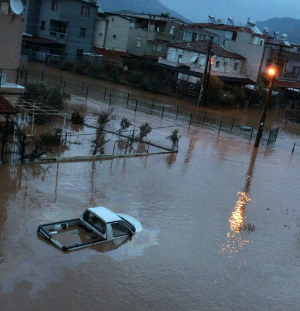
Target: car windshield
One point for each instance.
(129, 224)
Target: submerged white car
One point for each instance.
(95, 225)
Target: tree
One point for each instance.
(145, 129)
(215, 91)
(174, 137)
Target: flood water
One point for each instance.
(221, 227)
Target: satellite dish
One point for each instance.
(16, 6)
(228, 35)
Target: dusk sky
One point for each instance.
(198, 10)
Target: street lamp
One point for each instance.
(272, 73)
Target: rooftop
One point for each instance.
(201, 47)
(199, 30)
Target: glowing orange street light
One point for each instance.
(272, 74)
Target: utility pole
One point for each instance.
(272, 73)
(203, 82)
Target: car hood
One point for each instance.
(134, 221)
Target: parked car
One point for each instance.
(95, 225)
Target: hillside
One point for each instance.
(138, 6)
(287, 25)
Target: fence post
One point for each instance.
(152, 105)
(204, 117)
(232, 124)
(61, 80)
(0, 76)
(82, 87)
(109, 98)
(23, 148)
(293, 148)
(220, 126)
(87, 92)
(127, 99)
(17, 78)
(26, 79)
(136, 105)
(251, 135)
(191, 119)
(177, 112)
(163, 110)
(104, 92)
(42, 76)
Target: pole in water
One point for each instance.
(109, 98)
(220, 126)
(204, 117)
(232, 124)
(191, 119)
(61, 80)
(127, 100)
(163, 110)
(104, 92)
(87, 92)
(82, 86)
(136, 105)
(152, 105)
(42, 76)
(293, 148)
(251, 135)
(177, 112)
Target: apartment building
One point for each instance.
(63, 27)
(149, 34)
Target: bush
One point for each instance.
(124, 124)
(116, 75)
(145, 129)
(55, 98)
(94, 70)
(48, 139)
(77, 118)
(174, 137)
(155, 86)
(215, 91)
(79, 67)
(144, 84)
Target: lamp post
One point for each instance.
(272, 74)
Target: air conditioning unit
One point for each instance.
(3, 79)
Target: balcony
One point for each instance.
(291, 76)
(60, 37)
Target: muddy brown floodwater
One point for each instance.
(220, 227)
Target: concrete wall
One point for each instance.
(11, 30)
(117, 33)
(31, 16)
(99, 34)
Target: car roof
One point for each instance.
(104, 213)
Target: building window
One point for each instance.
(225, 65)
(115, 36)
(172, 30)
(113, 19)
(54, 5)
(100, 34)
(79, 53)
(236, 65)
(43, 23)
(181, 34)
(85, 11)
(261, 42)
(138, 42)
(82, 32)
(217, 64)
(234, 35)
(296, 71)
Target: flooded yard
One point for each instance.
(221, 225)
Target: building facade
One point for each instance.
(68, 23)
(149, 34)
(11, 29)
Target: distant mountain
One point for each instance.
(138, 6)
(287, 25)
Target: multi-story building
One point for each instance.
(193, 55)
(247, 41)
(149, 34)
(66, 25)
(11, 29)
(111, 32)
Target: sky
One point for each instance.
(257, 10)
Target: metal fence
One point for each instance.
(13, 78)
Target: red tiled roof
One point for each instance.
(6, 107)
(284, 83)
(201, 47)
(112, 53)
(151, 57)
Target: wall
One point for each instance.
(99, 34)
(119, 27)
(11, 30)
